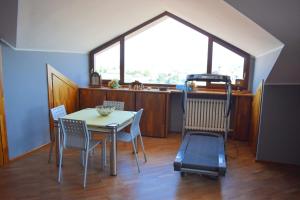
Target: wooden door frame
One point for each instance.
(55, 100)
(3, 134)
(51, 73)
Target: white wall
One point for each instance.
(79, 26)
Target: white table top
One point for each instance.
(97, 122)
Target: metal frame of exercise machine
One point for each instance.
(203, 152)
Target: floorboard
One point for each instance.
(33, 178)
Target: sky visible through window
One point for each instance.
(165, 53)
(107, 62)
(227, 62)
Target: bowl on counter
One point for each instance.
(105, 110)
(162, 88)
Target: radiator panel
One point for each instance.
(206, 115)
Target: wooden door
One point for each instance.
(61, 91)
(128, 97)
(3, 136)
(154, 120)
(90, 98)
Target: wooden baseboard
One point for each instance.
(28, 153)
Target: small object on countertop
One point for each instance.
(95, 80)
(193, 85)
(240, 84)
(114, 84)
(163, 88)
(136, 85)
(182, 87)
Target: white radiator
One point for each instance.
(206, 115)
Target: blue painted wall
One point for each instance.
(26, 96)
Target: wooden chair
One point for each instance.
(74, 134)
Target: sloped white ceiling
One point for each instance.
(81, 25)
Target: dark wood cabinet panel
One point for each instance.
(154, 121)
(90, 98)
(128, 97)
(242, 117)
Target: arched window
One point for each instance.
(164, 50)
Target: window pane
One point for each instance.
(227, 62)
(107, 62)
(165, 52)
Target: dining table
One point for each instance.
(110, 124)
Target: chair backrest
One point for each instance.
(135, 126)
(75, 133)
(119, 105)
(58, 112)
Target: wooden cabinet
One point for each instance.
(154, 120)
(128, 97)
(242, 117)
(90, 98)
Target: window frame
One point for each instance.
(211, 38)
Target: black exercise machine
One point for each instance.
(201, 151)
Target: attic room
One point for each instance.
(161, 99)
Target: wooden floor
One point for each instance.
(33, 178)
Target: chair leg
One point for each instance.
(136, 145)
(135, 154)
(103, 153)
(82, 156)
(85, 167)
(142, 144)
(50, 152)
(60, 162)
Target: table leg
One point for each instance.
(113, 152)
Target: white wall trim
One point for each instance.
(270, 51)
(39, 50)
